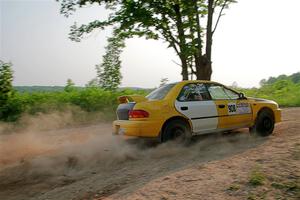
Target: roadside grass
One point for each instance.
(90, 100)
(256, 177)
(263, 185)
(251, 197)
(286, 92)
(287, 186)
(234, 187)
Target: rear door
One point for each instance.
(232, 111)
(196, 104)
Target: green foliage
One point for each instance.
(14, 107)
(70, 85)
(295, 78)
(93, 83)
(187, 26)
(90, 99)
(285, 90)
(108, 72)
(6, 88)
(39, 88)
(6, 78)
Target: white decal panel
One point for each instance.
(203, 114)
(238, 108)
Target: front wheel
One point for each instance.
(264, 124)
(176, 130)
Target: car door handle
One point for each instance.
(222, 106)
(184, 108)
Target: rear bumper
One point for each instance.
(277, 115)
(137, 128)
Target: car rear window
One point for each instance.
(161, 92)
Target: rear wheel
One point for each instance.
(264, 124)
(176, 130)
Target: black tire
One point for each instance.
(264, 124)
(176, 130)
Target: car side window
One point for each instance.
(220, 92)
(231, 94)
(194, 92)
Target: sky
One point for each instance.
(255, 39)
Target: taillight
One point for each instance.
(138, 114)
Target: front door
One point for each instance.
(196, 104)
(232, 111)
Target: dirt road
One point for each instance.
(89, 163)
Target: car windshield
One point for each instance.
(160, 93)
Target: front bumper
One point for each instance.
(277, 115)
(137, 128)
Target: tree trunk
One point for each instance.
(182, 42)
(203, 68)
(210, 13)
(203, 62)
(184, 66)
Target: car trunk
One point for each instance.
(123, 110)
(127, 103)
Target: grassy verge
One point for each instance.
(285, 92)
(90, 100)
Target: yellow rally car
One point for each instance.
(190, 108)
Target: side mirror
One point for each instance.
(242, 96)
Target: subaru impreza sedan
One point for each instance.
(189, 108)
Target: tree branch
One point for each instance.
(210, 14)
(220, 14)
(176, 63)
(169, 37)
(216, 3)
(199, 41)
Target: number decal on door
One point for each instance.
(231, 108)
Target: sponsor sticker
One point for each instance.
(238, 108)
(243, 108)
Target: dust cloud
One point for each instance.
(44, 143)
(52, 149)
